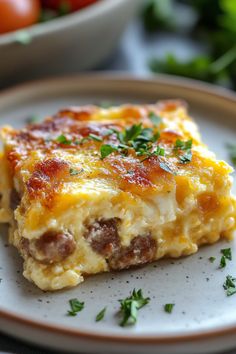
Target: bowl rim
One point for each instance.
(211, 91)
(98, 9)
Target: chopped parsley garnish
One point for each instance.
(129, 307)
(95, 137)
(62, 139)
(186, 147)
(101, 314)
(159, 151)
(212, 259)
(229, 285)
(222, 262)
(226, 254)
(232, 152)
(168, 307)
(106, 150)
(88, 138)
(183, 145)
(76, 306)
(141, 140)
(156, 120)
(131, 133)
(187, 157)
(137, 138)
(167, 168)
(108, 132)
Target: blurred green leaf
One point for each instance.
(216, 28)
(199, 68)
(196, 68)
(208, 12)
(224, 61)
(228, 19)
(159, 14)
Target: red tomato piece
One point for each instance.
(16, 14)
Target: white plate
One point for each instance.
(203, 319)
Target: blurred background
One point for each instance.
(191, 38)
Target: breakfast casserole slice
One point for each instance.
(92, 190)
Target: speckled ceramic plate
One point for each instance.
(203, 319)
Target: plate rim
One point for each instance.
(121, 76)
(162, 79)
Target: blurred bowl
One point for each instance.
(78, 41)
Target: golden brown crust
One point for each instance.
(131, 173)
(47, 179)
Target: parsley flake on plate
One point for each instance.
(101, 314)
(227, 253)
(129, 307)
(212, 259)
(169, 307)
(230, 285)
(76, 306)
(222, 262)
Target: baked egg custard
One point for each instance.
(95, 189)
